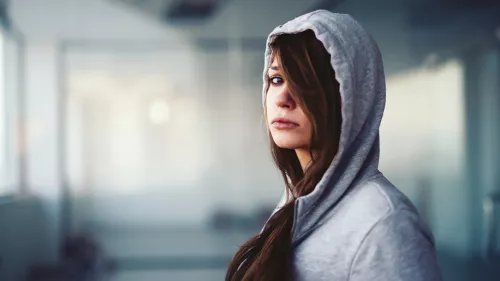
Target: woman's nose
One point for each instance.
(285, 100)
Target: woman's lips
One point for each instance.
(282, 124)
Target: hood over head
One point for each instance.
(358, 67)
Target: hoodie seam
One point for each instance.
(384, 194)
(314, 13)
(356, 254)
(391, 210)
(377, 223)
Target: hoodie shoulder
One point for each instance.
(397, 247)
(383, 196)
(397, 244)
(371, 230)
(377, 199)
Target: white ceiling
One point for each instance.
(100, 19)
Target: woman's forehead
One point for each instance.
(275, 63)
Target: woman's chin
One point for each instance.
(287, 144)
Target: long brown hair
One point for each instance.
(310, 79)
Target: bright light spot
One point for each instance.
(159, 112)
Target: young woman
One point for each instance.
(340, 218)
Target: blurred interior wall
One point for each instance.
(47, 26)
(210, 149)
(422, 147)
(34, 222)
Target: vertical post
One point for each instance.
(65, 192)
(21, 114)
(473, 164)
(482, 102)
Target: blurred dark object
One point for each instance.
(449, 28)
(191, 10)
(325, 5)
(224, 219)
(437, 12)
(82, 260)
(491, 217)
(4, 16)
(263, 214)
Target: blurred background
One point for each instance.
(132, 145)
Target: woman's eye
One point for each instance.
(276, 80)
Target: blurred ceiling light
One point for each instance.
(159, 112)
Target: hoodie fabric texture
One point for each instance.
(355, 225)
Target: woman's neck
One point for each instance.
(304, 156)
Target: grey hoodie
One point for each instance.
(356, 225)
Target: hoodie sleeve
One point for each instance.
(399, 247)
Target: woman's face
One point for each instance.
(289, 126)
